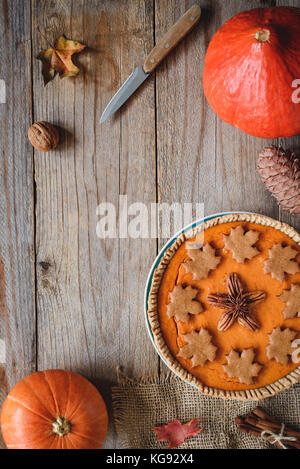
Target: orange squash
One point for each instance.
(252, 71)
(54, 409)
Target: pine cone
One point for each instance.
(280, 171)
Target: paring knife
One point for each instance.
(177, 32)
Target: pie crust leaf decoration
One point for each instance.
(198, 347)
(202, 260)
(240, 244)
(280, 345)
(291, 298)
(183, 303)
(175, 432)
(242, 366)
(281, 260)
(236, 304)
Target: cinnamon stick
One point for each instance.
(251, 430)
(258, 420)
(271, 425)
(259, 412)
(294, 444)
(248, 429)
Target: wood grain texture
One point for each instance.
(164, 143)
(292, 142)
(90, 308)
(172, 37)
(185, 127)
(200, 158)
(17, 288)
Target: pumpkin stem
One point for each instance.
(263, 35)
(61, 426)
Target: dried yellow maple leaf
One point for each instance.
(58, 58)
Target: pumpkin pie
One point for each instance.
(224, 306)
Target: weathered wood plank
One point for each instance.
(241, 188)
(200, 158)
(293, 142)
(185, 127)
(90, 291)
(17, 284)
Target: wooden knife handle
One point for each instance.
(171, 38)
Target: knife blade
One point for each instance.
(177, 32)
(132, 83)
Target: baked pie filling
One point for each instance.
(229, 305)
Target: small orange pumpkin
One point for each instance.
(54, 409)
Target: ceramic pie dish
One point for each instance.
(223, 305)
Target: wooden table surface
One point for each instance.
(68, 299)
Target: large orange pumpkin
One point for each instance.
(251, 70)
(54, 409)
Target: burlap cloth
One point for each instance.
(140, 405)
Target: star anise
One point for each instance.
(236, 304)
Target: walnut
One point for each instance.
(43, 136)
